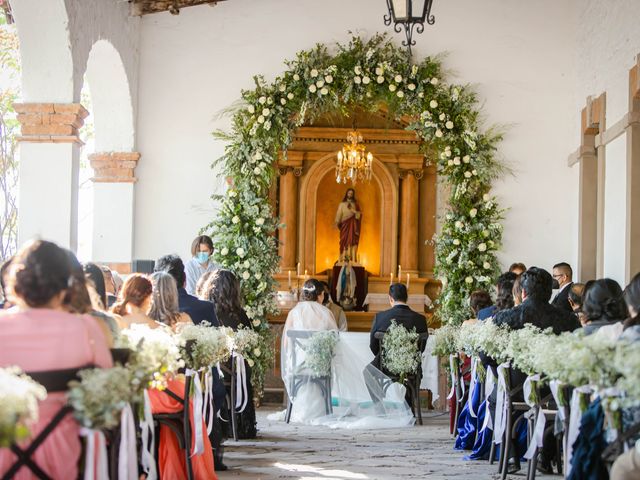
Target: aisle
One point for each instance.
(306, 452)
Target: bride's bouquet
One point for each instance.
(19, 396)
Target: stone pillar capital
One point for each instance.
(50, 122)
(418, 173)
(283, 170)
(114, 167)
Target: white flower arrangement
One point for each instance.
(400, 353)
(19, 397)
(319, 350)
(204, 346)
(445, 340)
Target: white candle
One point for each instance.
(298, 269)
(408, 282)
(289, 279)
(400, 273)
(391, 279)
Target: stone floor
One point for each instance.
(284, 451)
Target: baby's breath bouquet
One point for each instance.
(156, 354)
(19, 396)
(247, 343)
(400, 354)
(319, 352)
(524, 345)
(627, 363)
(203, 346)
(484, 337)
(101, 394)
(446, 340)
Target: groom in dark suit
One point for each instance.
(401, 313)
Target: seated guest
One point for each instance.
(535, 308)
(562, 273)
(338, 312)
(632, 297)
(604, 307)
(4, 303)
(164, 306)
(400, 312)
(479, 300)
(517, 268)
(504, 296)
(516, 291)
(110, 285)
(40, 334)
(575, 300)
(200, 262)
(94, 274)
(199, 311)
(202, 284)
(134, 302)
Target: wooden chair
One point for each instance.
(412, 382)
(298, 339)
(53, 381)
(179, 423)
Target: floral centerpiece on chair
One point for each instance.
(203, 346)
(19, 396)
(400, 353)
(319, 351)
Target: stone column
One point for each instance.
(113, 192)
(49, 164)
(633, 175)
(288, 212)
(409, 207)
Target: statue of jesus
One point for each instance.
(348, 219)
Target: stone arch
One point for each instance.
(111, 98)
(389, 206)
(45, 51)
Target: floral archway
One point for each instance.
(367, 74)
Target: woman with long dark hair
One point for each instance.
(604, 307)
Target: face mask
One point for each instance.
(554, 284)
(202, 257)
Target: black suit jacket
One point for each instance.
(199, 310)
(561, 300)
(403, 315)
(539, 313)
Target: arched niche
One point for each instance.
(385, 185)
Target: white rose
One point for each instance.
(357, 80)
(473, 212)
(296, 77)
(467, 174)
(450, 163)
(266, 112)
(456, 160)
(240, 252)
(282, 88)
(366, 80)
(447, 153)
(246, 275)
(433, 104)
(290, 96)
(400, 94)
(235, 219)
(313, 88)
(392, 87)
(257, 156)
(261, 119)
(314, 73)
(357, 70)
(260, 221)
(469, 280)
(485, 233)
(246, 264)
(438, 133)
(421, 95)
(251, 109)
(269, 101)
(379, 71)
(320, 83)
(456, 241)
(474, 172)
(466, 159)
(449, 124)
(328, 79)
(398, 78)
(283, 101)
(233, 193)
(482, 247)
(434, 81)
(486, 197)
(441, 117)
(380, 79)
(257, 352)
(490, 243)
(258, 275)
(486, 265)
(458, 224)
(324, 91)
(224, 251)
(251, 363)
(262, 100)
(411, 87)
(256, 171)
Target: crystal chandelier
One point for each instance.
(354, 163)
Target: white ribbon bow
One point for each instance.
(538, 429)
(454, 375)
(127, 455)
(574, 421)
(472, 386)
(242, 397)
(95, 463)
(208, 408)
(147, 458)
(555, 391)
(501, 404)
(489, 385)
(198, 401)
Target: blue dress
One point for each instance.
(467, 424)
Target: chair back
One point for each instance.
(421, 344)
(298, 339)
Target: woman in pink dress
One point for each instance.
(38, 335)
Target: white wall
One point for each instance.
(608, 40)
(193, 65)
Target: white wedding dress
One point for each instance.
(353, 381)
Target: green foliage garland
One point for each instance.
(366, 74)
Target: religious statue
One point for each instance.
(348, 219)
